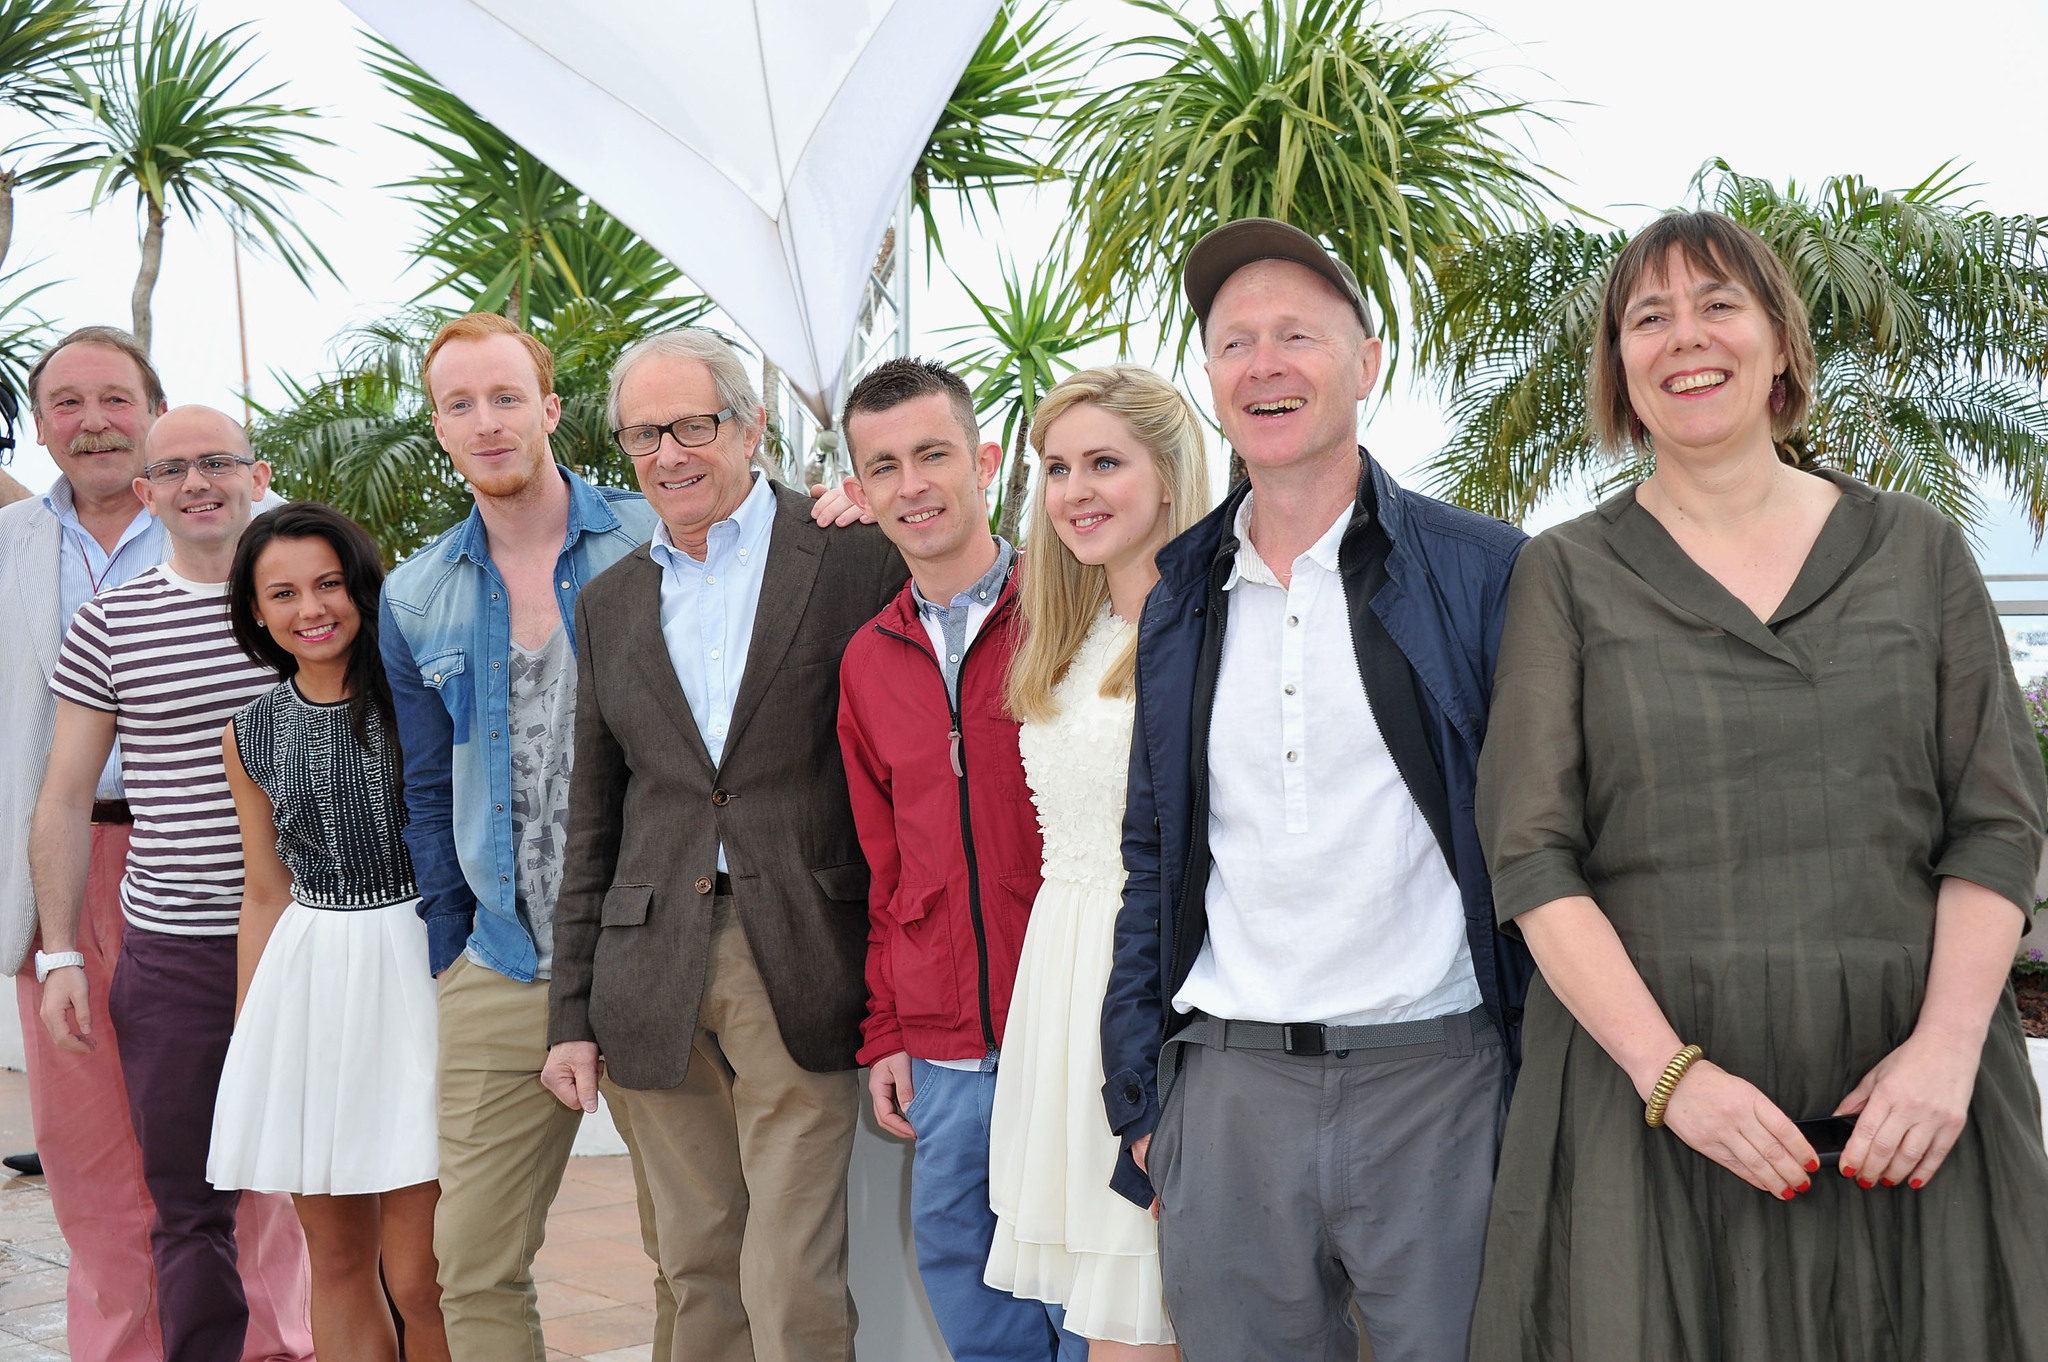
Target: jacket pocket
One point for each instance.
(847, 883)
(625, 905)
(446, 674)
(922, 964)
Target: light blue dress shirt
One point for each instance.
(707, 612)
(85, 569)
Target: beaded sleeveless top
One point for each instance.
(340, 817)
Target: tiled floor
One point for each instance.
(596, 1286)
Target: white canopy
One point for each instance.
(759, 144)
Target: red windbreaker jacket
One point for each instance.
(948, 827)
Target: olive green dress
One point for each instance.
(1763, 812)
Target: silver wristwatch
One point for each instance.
(58, 960)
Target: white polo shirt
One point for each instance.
(1328, 895)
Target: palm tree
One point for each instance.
(987, 137)
(163, 116)
(1930, 328)
(1030, 333)
(39, 39)
(1364, 133)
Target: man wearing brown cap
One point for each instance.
(1309, 1023)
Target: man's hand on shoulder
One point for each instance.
(571, 1073)
(889, 1084)
(836, 507)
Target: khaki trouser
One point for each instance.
(747, 1165)
(505, 1141)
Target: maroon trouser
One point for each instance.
(173, 1004)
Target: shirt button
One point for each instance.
(720, 798)
(1293, 620)
(710, 581)
(494, 667)
(504, 879)
(501, 808)
(703, 884)
(1289, 690)
(494, 595)
(565, 586)
(1132, 1093)
(437, 678)
(494, 732)
(714, 654)
(953, 657)
(1294, 756)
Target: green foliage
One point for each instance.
(1363, 132)
(1029, 334)
(38, 40)
(1930, 327)
(163, 117)
(987, 137)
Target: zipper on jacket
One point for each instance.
(1198, 821)
(957, 749)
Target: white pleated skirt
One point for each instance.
(1061, 1234)
(329, 1083)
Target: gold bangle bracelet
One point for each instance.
(1667, 1083)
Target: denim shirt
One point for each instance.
(446, 637)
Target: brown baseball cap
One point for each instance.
(1229, 248)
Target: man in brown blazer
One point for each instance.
(711, 931)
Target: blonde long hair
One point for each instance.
(1060, 595)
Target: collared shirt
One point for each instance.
(707, 612)
(85, 569)
(447, 645)
(952, 626)
(1328, 896)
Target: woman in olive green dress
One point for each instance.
(1758, 780)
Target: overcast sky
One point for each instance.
(1645, 94)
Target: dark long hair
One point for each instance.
(362, 569)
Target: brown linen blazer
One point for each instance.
(647, 812)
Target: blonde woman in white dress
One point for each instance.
(1121, 471)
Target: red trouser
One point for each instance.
(79, 1105)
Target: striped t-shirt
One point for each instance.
(157, 654)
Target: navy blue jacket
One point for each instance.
(1426, 585)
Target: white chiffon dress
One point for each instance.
(1061, 1234)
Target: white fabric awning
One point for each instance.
(760, 144)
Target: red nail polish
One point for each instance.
(1891, 1182)
(1785, 1195)
(1813, 1165)
(1804, 1185)
(1865, 1183)
(1847, 1171)
(1917, 1183)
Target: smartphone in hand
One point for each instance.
(1828, 1135)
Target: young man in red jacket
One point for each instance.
(949, 831)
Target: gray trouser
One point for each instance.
(1293, 1188)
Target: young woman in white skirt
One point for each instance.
(328, 1090)
(1121, 471)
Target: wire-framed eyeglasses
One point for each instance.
(213, 467)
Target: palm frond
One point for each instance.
(1929, 317)
(1366, 133)
(165, 116)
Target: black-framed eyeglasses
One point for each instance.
(212, 467)
(688, 431)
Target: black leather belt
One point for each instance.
(1316, 1038)
(111, 811)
